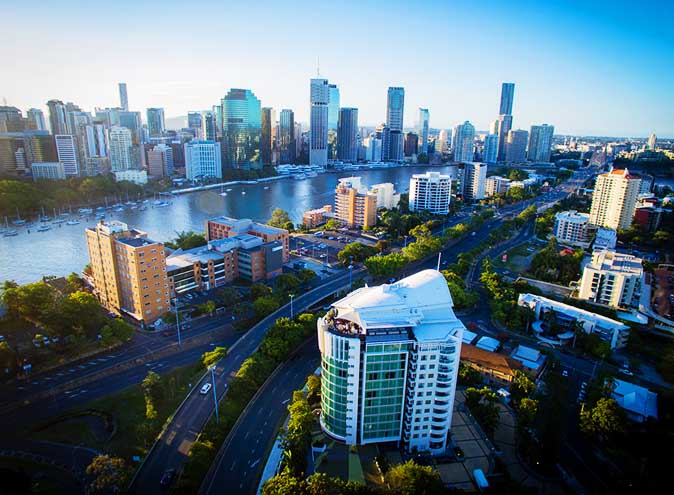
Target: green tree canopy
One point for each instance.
(210, 358)
(413, 479)
(187, 240)
(153, 390)
(356, 251)
(605, 419)
(279, 218)
(109, 474)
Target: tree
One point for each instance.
(153, 390)
(208, 307)
(413, 479)
(356, 251)
(229, 296)
(298, 434)
(287, 282)
(468, 376)
(285, 483)
(187, 240)
(79, 312)
(522, 386)
(331, 224)
(117, 330)
(518, 174)
(264, 306)
(259, 290)
(7, 357)
(482, 403)
(279, 218)
(74, 283)
(605, 419)
(210, 358)
(526, 412)
(109, 474)
(387, 265)
(313, 389)
(306, 275)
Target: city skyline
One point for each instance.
(545, 69)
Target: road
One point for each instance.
(241, 460)
(172, 448)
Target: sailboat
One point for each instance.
(19, 220)
(9, 232)
(56, 219)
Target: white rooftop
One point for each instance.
(488, 343)
(635, 399)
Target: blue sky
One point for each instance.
(605, 68)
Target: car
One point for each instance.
(627, 372)
(167, 478)
(318, 234)
(205, 388)
(323, 256)
(331, 238)
(565, 373)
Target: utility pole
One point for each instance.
(439, 258)
(175, 302)
(291, 305)
(215, 395)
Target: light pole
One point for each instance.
(215, 395)
(350, 277)
(291, 305)
(175, 303)
(405, 242)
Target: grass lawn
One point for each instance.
(45, 479)
(518, 257)
(134, 434)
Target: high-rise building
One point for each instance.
(411, 144)
(354, 206)
(286, 138)
(385, 194)
(571, 227)
(39, 147)
(613, 279)
(37, 117)
(66, 149)
(507, 95)
(423, 128)
(516, 146)
(47, 171)
(462, 142)
(11, 119)
(226, 228)
(496, 185)
(241, 129)
(614, 199)
(333, 107)
(120, 149)
(444, 141)
(194, 123)
(540, 143)
(390, 360)
(96, 141)
(160, 161)
(209, 130)
(652, 141)
(123, 97)
(318, 133)
(57, 117)
(347, 134)
(490, 150)
(129, 271)
(395, 108)
(266, 136)
(503, 126)
(203, 160)
(430, 192)
(473, 178)
(155, 122)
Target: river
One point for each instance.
(63, 249)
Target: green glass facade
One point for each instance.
(334, 379)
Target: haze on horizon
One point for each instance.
(602, 69)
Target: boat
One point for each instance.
(160, 204)
(243, 192)
(72, 222)
(229, 190)
(19, 220)
(299, 177)
(119, 209)
(143, 208)
(100, 215)
(58, 221)
(10, 233)
(266, 187)
(223, 194)
(85, 211)
(43, 228)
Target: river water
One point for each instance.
(63, 249)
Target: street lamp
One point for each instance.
(175, 303)
(215, 395)
(351, 276)
(291, 305)
(405, 242)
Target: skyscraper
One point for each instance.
(37, 117)
(333, 107)
(160, 161)
(614, 199)
(395, 108)
(652, 141)
(462, 142)
(347, 134)
(57, 117)
(96, 138)
(411, 144)
(203, 160)
(123, 97)
(318, 133)
(131, 120)
(540, 142)
(423, 127)
(390, 359)
(155, 121)
(473, 178)
(208, 131)
(516, 146)
(490, 150)
(241, 129)
(286, 138)
(66, 149)
(194, 123)
(120, 149)
(266, 139)
(507, 95)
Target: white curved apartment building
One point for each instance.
(390, 359)
(430, 191)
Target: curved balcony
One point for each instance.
(443, 377)
(440, 411)
(442, 394)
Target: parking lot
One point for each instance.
(324, 246)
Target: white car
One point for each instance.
(205, 388)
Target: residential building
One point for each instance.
(37, 117)
(286, 139)
(423, 128)
(136, 176)
(66, 150)
(226, 227)
(490, 149)
(47, 171)
(385, 194)
(495, 369)
(605, 239)
(333, 107)
(648, 217)
(57, 117)
(430, 192)
(160, 161)
(496, 185)
(639, 403)
(472, 180)
(347, 135)
(395, 108)
(266, 141)
(202, 160)
(390, 359)
(540, 143)
(155, 122)
(241, 130)
(569, 319)
(462, 142)
(516, 146)
(614, 279)
(129, 271)
(572, 227)
(120, 149)
(318, 132)
(96, 141)
(123, 97)
(318, 216)
(531, 360)
(353, 205)
(614, 198)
